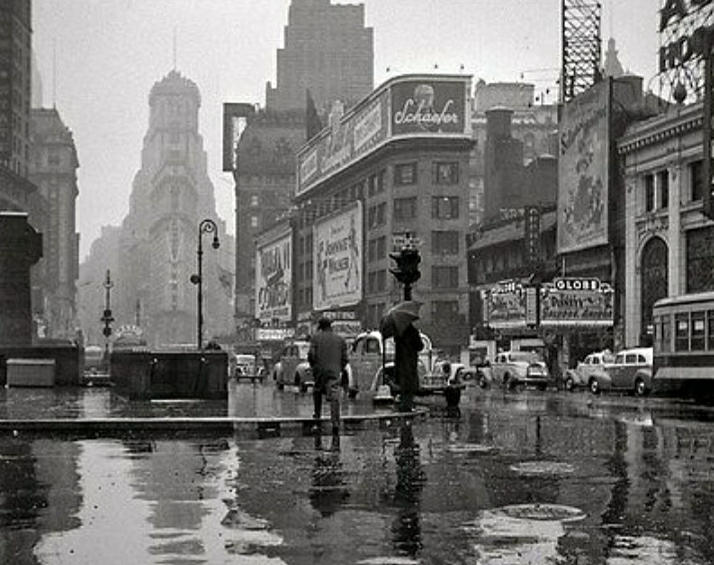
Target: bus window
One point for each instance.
(666, 333)
(681, 337)
(372, 345)
(710, 319)
(630, 359)
(697, 343)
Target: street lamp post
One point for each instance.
(206, 226)
(107, 316)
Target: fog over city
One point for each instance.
(99, 60)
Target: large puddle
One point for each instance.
(493, 486)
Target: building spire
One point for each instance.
(54, 74)
(174, 66)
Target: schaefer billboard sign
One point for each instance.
(273, 278)
(408, 106)
(570, 301)
(428, 106)
(583, 170)
(338, 260)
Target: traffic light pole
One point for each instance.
(407, 269)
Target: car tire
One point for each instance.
(279, 385)
(640, 387)
(505, 383)
(569, 384)
(482, 382)
(594, 386)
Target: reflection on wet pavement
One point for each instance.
(499, 484)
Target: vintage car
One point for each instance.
(631, 370)
(293, 368)
(580, 376)
(518, 369)
(243, 366)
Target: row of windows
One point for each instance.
(442, 172)
(656, 187)
(693, 331)
(442, 208)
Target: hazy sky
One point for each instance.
(109, 53)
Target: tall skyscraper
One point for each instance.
(53, 169)
(16, 193)
(328, 50)
(171, 195)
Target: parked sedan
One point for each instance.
(580, 376)
(630, 371)
(517, 369)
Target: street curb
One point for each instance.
(249, 428)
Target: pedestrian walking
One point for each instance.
(328, 358)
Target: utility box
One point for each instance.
(31, 372)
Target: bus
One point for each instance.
(683, 363)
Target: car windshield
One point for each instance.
(526, 356)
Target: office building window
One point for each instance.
(254, 200)
(696, 180)
(445, 242)
(446, 173)
(405, 173)
(445, 207)
(649, 193)
(444, 310)
(254, 221)
(444, 277)
(376, 215)
(405, 208)
(663, 178)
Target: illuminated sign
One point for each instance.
(583, 302)
(409, 106)
(506, 306)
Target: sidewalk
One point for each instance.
(251, 409)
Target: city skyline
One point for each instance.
(102, 96)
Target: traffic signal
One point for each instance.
(407, 268)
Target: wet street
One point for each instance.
(533, 477)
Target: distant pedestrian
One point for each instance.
(328, 358)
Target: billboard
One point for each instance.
(583, 167)
(235, 120)
(428, 106)
(403, 107)
(346, 140)
(337, 276)
(506, 306)
(573, 301)
(273, 279)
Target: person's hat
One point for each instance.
(324, 323)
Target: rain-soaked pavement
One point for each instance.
(533, 477)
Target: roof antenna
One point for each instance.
(54, 74)
(174, 48)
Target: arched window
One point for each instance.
(654, 279)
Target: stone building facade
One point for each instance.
(53, 169)
(386, 172)
(669, 242)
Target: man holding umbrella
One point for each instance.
(397, 323)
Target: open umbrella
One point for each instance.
(398, 317)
